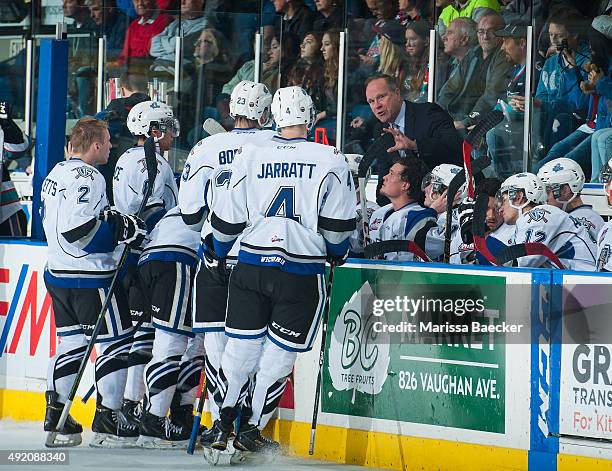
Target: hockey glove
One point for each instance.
(127, 229)
(336, 260)
(213, 263)
(466, 215)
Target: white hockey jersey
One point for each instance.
(411, 222)
(604, 248)
(130, 181)
(555, 228)
(587, 217)
(207, 169)
(81, 248)
(171, 241)
(434, 243)
(293, 201)
(356, 238)
(462, 253)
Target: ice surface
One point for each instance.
(22, 436)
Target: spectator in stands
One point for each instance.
(294, 17)
(593, 94)
(481, 77)
(412, 10)
(554, 107)
(127, 7)
(112, 23)
(459, 39)
(473, 9)
(421, 129)
(505, 140)
(150, 22)
(383, 10)
(330, 45)
(307, 72)
(189, 25)
(417, 48)
(280, 59)
(393, 56)
(78, 11)
(330, 14)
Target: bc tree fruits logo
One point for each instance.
(358, 356)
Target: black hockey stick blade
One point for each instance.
(377, 249)
(479, 227)
(486, 123)
(150, 159)
(379, 147)
(517, 251)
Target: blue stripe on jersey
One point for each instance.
(494, 245)
(567, 251)
(222, 248)
(416, 216)
(103, 240)
(337, 249)
(80, 282)
(168, 256)
(154, 218)
(274, 260)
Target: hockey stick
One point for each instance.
(197, 418)
(479, 228)
(212, 126)
(377, 249)
(151, 163)
(377, 148)
(528, 248)
(315, 409)
(453, 188)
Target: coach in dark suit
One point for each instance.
(421, 129)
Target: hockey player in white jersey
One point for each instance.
(522, 199)
(435, 186)
(564, 179)
(404, 218)
(293, 202)
(148, 118)
(206, 173)
(356, 239)
(498, 234)
(82, 235)
(604, 239)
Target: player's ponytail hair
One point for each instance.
(85, 132)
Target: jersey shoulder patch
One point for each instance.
(85, 172)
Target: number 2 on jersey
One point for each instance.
(283, 204)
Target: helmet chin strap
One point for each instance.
(565, 203)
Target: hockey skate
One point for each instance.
(160, 433)
(70, 435)
(182, 415)
(132, 410)
(212, 456)
(252, 447)
(112, 430)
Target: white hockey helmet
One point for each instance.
(559, 172)
(292, 106)
(147, 116)
(528, 183)
(251, 100)
(440, 177)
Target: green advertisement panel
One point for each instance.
(396, 348)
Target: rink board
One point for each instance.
(518, 425)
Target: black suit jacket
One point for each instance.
(438, 142)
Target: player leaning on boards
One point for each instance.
(148, 118)
(293, 202)
(522, 200)
(564, 180)
(82, 236)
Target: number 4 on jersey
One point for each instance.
(283, 204)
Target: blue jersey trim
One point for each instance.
(174, 331)
(274, 260)
(222, 248)
(337, 249)
(415, 216)
(103, 240)
(80, 282)
(170, 256)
